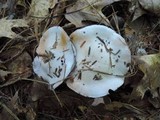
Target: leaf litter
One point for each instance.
(25, 96)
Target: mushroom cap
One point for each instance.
(93, 84)
(56, 56)
(99, 51)
(54, 38)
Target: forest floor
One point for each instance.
(25, 96)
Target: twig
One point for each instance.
(107, 21)
(63, 13)
(57, 98)
(9, 111)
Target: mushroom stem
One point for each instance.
(98, 101)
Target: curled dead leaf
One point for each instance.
(7, 25)
(3, 74)
(150, 66)
(151, 5)
(90, 10)
(39, 9)
(19, 68)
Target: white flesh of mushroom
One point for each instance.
(55, 58)
(98, 101)
(102, 59)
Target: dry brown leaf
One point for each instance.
(38, 90)
(39, 9)
(3, 74)
(114, 106)
(58, 11)
(150, 66)
(155, 102)
(88, 10)
(7, 112)
(140, 25)
(141, 7)
(151, 5)
(21, 3)
(136, 10)
(18, 108)
(117, 105)
(7, 25)
(20, 67)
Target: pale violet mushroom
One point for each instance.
(56, 56)
(102, 60)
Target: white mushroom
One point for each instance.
(102, 60)
(55, 58)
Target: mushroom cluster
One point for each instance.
(100, 58)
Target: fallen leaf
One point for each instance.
(150, 66)
(39, 9)
(82, 108)
(21, 3)
(137, 11)
(3, 74)
(88, 10)
(117, 105)
(140, 25)
(20, 67)
(18, 108)
(57, 13)
(7, 112)
(3, 5)
(7, 25)
(151, 5)
(38, 90)
(114, 106)
(155, 102)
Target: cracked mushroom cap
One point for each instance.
(102, 60)
(55, 58)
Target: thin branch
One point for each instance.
(9, 111)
